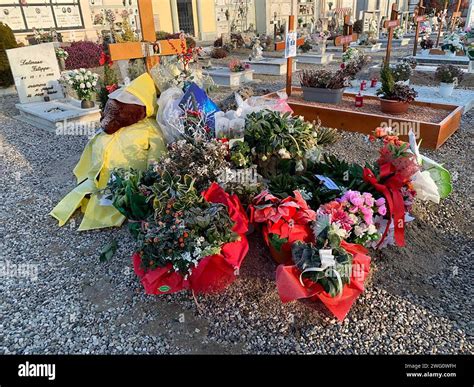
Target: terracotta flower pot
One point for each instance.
(393, 107)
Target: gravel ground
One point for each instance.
(418, 299)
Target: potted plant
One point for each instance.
(84, 83)
(402, 72)
(452, 45)
(395, 97)
(426, 45)
(328, 86)
(305, 47)
(448, 76)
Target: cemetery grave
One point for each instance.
(257, 178)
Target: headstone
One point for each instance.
(36, 73)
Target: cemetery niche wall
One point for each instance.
(44, 14)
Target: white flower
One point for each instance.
(82, 86)
(71, 82)
(88, 84)
(83, 71)
(77, 77)
(371, 229)
(94, 83)
(284, 154)
(358, 231)
(299, 166)
(88, 72)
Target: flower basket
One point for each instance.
(214, 272)
(290, 287)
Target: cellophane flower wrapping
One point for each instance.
(214, 272)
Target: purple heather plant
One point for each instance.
(83, 55)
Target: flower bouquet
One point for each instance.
(452, 44)
(284, 221)
(330, 269)
(84, 83)
(192, 241)
(352, 216)
(236, 65)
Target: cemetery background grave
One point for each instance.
(36, 73)
(417, 303)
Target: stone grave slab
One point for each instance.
(395, 42)
(224, 77)
(441, 59)
(36, 72)
(460, 97)
(270, 66)
(313, 58)
(50, 115)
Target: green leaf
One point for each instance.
(108, 251)
(277, 242)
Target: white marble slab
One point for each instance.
(224, 77)
(395, 42)
(442, 59)
(270, 66)
(313, 58)
(48, 115)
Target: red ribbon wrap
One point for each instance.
(291, 289)
(214, 272)
(391, 190)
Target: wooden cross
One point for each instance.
(418, 18)
(280, 46)
(455, 16)
(149, 48)
(390, 25)
(347, 35)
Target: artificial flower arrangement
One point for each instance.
(452, 43)
(61, 53)
(398, 32)
(402, 72)
(426, 43)
(236, 65)
(352, 54)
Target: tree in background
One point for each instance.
(7, 41)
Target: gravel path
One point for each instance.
(418, 300)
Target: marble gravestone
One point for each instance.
(36, 73)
